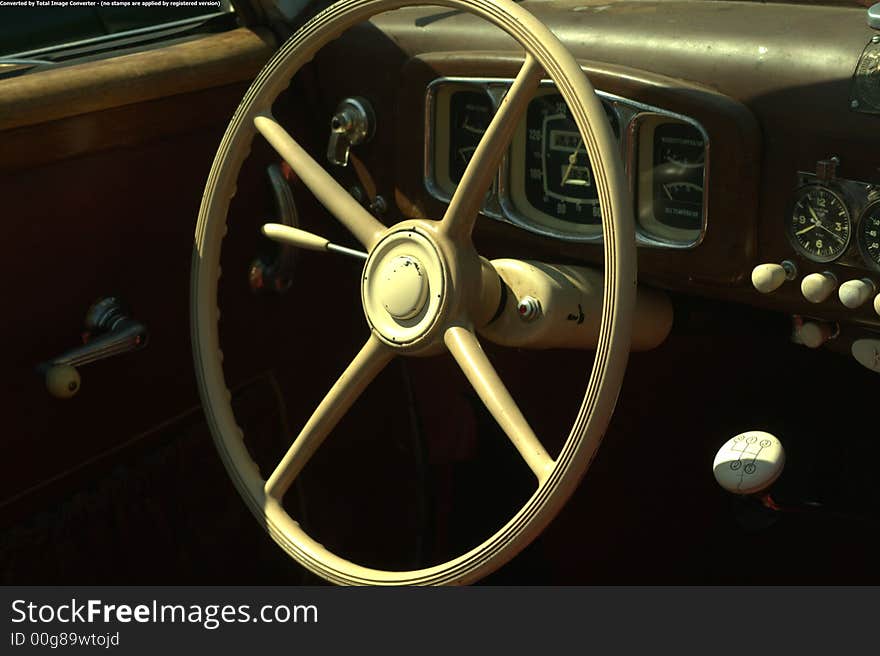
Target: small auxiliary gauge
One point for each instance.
(869, 234)
(819, 225)
(469, 115)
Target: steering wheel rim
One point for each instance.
(456, 268)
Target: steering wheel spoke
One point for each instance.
(468, 197)
(366, 365)
(363, 225)
(466, 349)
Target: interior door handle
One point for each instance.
(274, 274)
(109, 331)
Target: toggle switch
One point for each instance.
(353, 123)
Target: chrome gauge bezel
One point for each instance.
(512, 214)
(643, 181)
(499, 203)
(839, 197)
(491, 207)
(859, 198)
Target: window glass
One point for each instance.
(32, 25)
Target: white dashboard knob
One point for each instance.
(768, 278)
(854, 293)
(749, 462)
(817, 287)
(877, 304)
(813, 334)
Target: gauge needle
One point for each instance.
(833, 234)
(807, 229)
(817, 221)
(571, 160)
(471, 128)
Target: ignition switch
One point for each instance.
(353, 123)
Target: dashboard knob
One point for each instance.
(877, 304)
(813, 334)
(854, 293)
(817, 287)
(767, 278)
(749, 462)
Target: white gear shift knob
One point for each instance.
(749, 463)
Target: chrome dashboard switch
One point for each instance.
(353, 123)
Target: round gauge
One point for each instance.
(558, 177)
(819, 225)
(869, 234)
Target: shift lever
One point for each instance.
(749, 463)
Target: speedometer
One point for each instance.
(558, 179)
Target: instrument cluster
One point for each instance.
(545, 182)
(835, 220)
(830, 220)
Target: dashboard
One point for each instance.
(545, 181)
(725, 122)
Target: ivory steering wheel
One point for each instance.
(424, 289)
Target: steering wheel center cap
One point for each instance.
(404, 289)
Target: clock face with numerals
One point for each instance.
(820, 224)
(869, 234)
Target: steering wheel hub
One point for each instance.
(402, 287)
